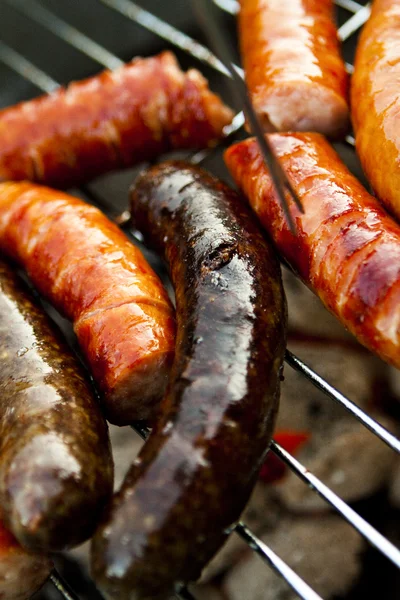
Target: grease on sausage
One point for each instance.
(293, 67)
(110, 121)
(97, 278)
(197, 469)
(347, 249)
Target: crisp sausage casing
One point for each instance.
(346, 248)
(110, 121)
(56, 471)
(293, 67)
(375, 101)
(97, 278)
(197, 469)
(21, 573)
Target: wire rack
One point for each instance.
(20, 64)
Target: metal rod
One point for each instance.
(276, 563)
(354, 23)
(361, 525)
(52, 22)
(26, 69)
(62, 586)
(381, 432)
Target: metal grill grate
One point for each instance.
(357, 15)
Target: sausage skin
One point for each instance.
(294, 71)
(197, 468)
(375, 101)
(110, 121)
(92, 273)
(56, 469)
(347, 249)
(21, 573)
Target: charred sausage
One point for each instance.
(21, 573)
(347, 249)
(375, 101)
(110, 121)
(56, 469)
(293, 67)
(96, 277)
(196, 471)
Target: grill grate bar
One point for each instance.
(334, 394)
(354, 23)
(26, 69)
(50, 21)
(276, 563)
(355, 520)
(62, 586)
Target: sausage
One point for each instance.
(56, 470)
(346, 249)
(196, 471)
(375, 102)
(293, 67)
(92, 273)
(21, 573)
(110, 121)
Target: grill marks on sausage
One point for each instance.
(217, 417)
(94, 276)
(110, 121)
(346, 249)
(55, 458)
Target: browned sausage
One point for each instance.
(96, 277)
(21, 573)
(347, 249)
(198, 467)
(294, 71)
(56, 471)
(110, 121)
(375, 101)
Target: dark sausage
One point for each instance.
(375, 101)
(197, 469)
(293, 67)
(347, 249)
(21, 573)
(56, 471)
(96, 277)
(110, 121)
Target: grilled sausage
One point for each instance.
(21, 573)
(110, 121)
(197, 469)
(94, 276)
(347, 249)
(293, 67)
(375, 101)
(55, 459)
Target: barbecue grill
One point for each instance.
(43, 44)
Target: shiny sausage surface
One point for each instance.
(110, 121)
(196, 471)
(347, 249)
(375, 101)
(293, 67)
(96, 277)
(21, 573)
(56, 470)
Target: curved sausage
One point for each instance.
(96, 277)
(375, 101)
(197, 469)
(110, 121)
(347, 249)
(56, 471)
(293, 67)
(21, 573)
